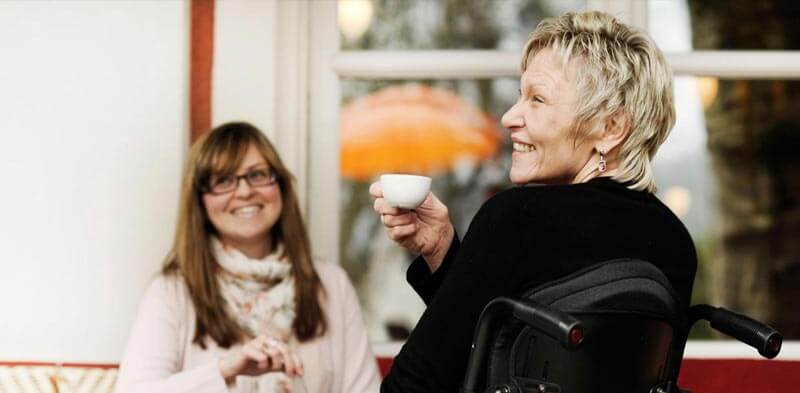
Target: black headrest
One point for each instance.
(627, 286)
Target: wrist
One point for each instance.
(435, 258)
(227, 374)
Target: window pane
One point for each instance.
(377, 266)
(446, 112)
(725, 24)
(447, 24)
(685, 180)
(753, 136)
(729, 170)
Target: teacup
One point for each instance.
(405, 191)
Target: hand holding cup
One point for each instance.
(413, 217)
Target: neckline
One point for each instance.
(598, 180)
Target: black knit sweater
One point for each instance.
(519, 239)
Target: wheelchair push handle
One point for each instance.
(760, 336)
(555, 323)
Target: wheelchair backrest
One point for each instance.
(631, 314)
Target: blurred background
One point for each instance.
(729, 169)
(99, 101)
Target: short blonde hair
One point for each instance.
(621, 71)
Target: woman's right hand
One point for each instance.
(426, 230)
(258, 356)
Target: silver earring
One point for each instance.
(601, 166)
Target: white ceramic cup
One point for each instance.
(405, 191)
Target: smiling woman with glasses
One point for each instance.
(240, 305)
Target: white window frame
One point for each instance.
(466, 64)
(306, 108)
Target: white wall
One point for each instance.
(243, 80)
(93, 125)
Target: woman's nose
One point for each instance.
(512, 118)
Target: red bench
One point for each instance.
(709, 367)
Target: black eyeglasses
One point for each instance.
(255, 178)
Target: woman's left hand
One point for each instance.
(259, 356)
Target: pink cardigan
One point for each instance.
(160, 355)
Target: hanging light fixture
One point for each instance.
(707, 88)
(354, 17)
(678, 199)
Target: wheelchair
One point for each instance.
(614, 327)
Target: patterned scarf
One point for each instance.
(259, 295)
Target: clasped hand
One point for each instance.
(259, 356)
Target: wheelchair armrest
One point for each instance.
(741, 327)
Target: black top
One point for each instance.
(519, 239)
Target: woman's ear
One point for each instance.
(616, 129)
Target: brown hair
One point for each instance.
(220, 152)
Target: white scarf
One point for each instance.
(259, 295)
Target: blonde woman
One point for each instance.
(595, 104)
(240, 306)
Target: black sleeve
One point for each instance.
(424, 282)
(434, 357)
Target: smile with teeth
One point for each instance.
(246, 210)
(521, 147)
